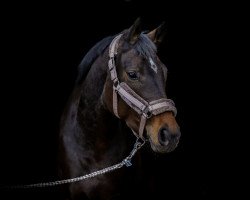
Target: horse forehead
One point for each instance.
(131, 57)
(130, 54)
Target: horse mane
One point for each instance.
(91, 56)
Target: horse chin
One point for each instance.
(162, 149)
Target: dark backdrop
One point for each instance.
(42, 45)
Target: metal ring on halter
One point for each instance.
(116, 83)
(147, 113)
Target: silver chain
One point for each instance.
(126, 162)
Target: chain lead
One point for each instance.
(126, 162)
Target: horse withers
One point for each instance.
(120, 91)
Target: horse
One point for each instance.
(120, 91)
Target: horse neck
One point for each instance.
(98, 126)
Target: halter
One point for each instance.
(138, 104)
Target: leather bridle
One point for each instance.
(138, 104)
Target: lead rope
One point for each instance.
(127, 162)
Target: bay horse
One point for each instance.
(120, 91)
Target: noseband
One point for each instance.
(138, 104)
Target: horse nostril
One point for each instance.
(163, 137)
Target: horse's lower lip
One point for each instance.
(162, 149)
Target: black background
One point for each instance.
(41, 47)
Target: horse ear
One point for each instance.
(134, 31)
(157, 35)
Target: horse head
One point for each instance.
(135, 88)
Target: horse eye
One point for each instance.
(133, 75)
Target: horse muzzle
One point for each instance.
(163, 133)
